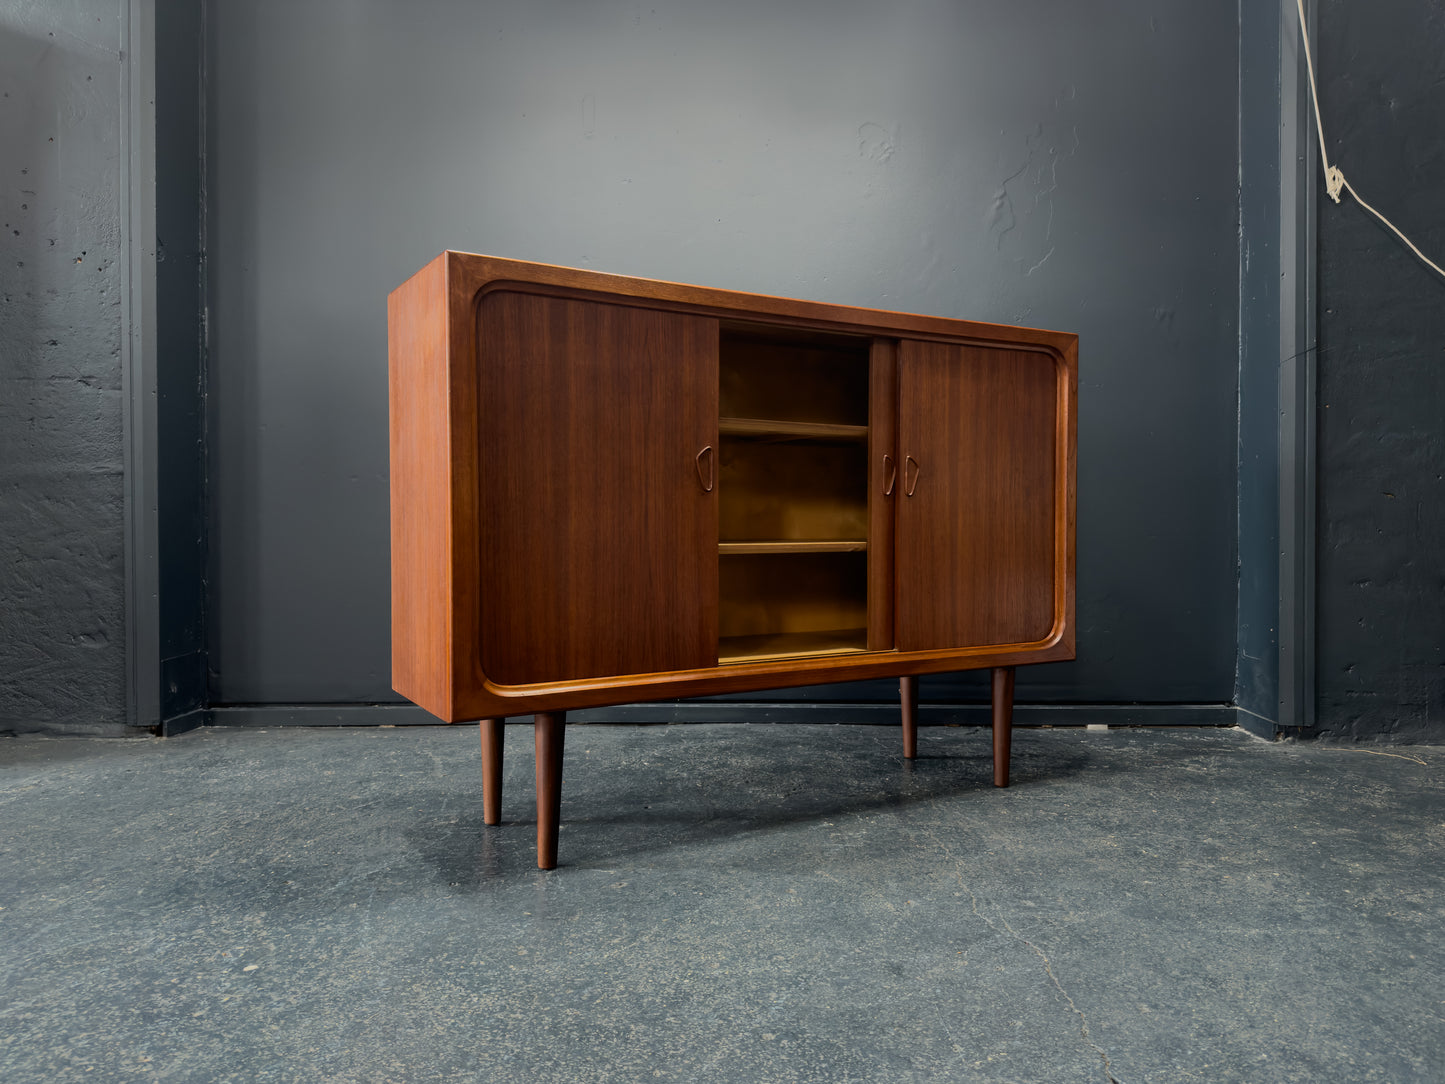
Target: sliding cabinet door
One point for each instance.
(597, 498)
(979, 548)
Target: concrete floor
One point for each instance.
(735, 903)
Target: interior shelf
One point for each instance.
(791, 645)
(767, 428)
(848, 545)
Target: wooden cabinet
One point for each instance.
(608, 489)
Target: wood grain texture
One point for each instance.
(782, 430)
(977, 557)
(882, 490)
(598, 544)
(419, 403)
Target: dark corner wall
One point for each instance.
(1382, 375)
(180, 358)
(1053, 164)
(62, 536)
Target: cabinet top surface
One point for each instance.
(471, 274)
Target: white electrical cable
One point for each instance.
(1334, 179)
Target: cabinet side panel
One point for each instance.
(597, 504)
(421, 619)
(977, 539)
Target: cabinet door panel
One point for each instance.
(882, 490)
(598, 533)
(977, 538)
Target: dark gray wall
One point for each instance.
(62, 629)
(1257, 680)
(180, 356)
(1060, 165)
(1382, 375)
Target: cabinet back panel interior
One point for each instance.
(792, 491)
(797, 603)
(822, 378)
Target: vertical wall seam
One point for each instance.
(138, 363)
(1239, 345)
(203, 345)
(1297, 385)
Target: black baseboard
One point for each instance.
(259, 715)
(1116, 715)
(1270, 730)
(182, 724)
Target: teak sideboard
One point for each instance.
(608, 489)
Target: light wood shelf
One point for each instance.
(791, 645)
(769, 429)
(727, 549)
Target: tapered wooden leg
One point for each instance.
(908, 698)
(550, 727)
(492, 771)
(1003, 721)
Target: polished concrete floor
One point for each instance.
(735, 903)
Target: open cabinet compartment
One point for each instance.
(779, 605)
(792, 493)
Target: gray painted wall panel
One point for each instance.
(1257, 681)
(1382, 376)
(62, 629)
(1060, 165)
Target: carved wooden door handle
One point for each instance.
(917, 470)
(892, 469)
(708, 480)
